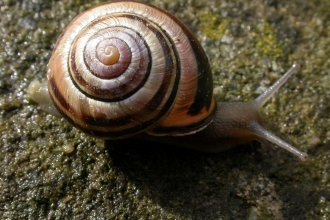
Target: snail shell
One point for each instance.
(122, 68)
(126, 68)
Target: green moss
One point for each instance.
(264, 34)
(266, 40)
(213, 26)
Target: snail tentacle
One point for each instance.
(261, 132)
(265, 96)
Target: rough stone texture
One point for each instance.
(249, 44)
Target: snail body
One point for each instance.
(125, 69)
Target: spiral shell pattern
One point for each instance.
(125, 67)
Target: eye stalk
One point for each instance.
(262, 133)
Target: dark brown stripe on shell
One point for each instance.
(65, 106)
(204, 95)
(169, 67)
(173, 130)
(58, 95)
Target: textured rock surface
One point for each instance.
(249, 44)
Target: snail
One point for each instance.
(128, 69)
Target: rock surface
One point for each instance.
(49, 170)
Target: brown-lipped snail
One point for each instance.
(124, 69)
